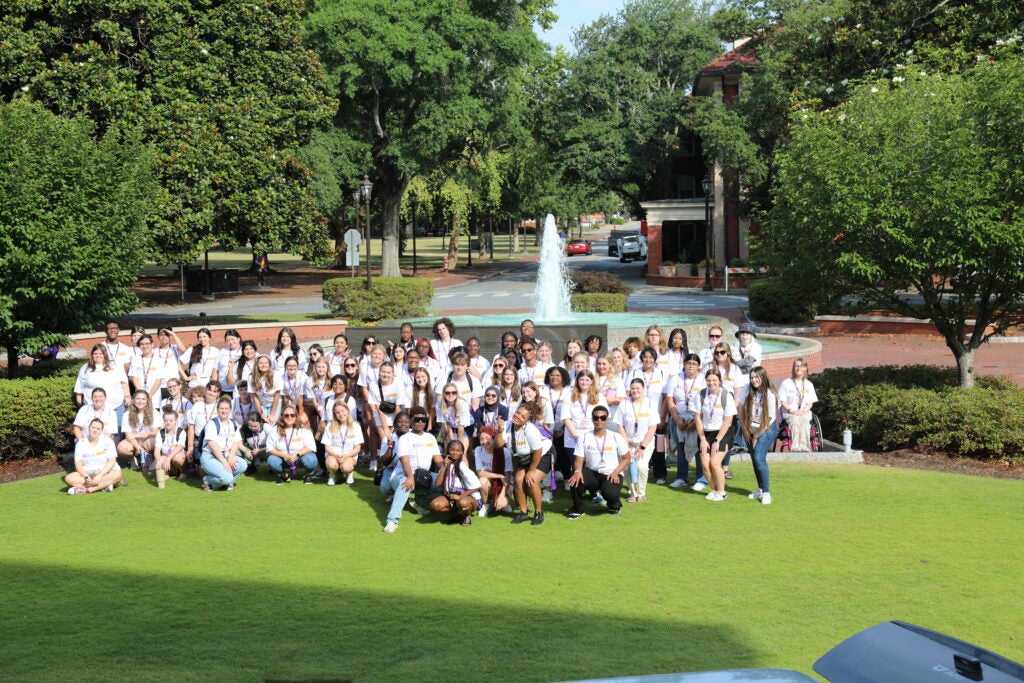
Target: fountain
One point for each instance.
(551, 301)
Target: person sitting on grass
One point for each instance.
(415, 450)
(601, 457)
(289, 446)
(95, 463)
(139, 427)
(460, 487)
(169, 445)
(254, 433)
(342, 440)
(221, 462)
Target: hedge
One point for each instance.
(774, 300)
(35, 415)
(890, 407)
(389, 298)
(586, 282)
(599, 303)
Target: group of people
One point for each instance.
(440, 427)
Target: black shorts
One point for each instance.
(544, 465)
(726, 443)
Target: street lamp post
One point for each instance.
(365, 191)
(414, 200)
(355, 205)
(708, 185)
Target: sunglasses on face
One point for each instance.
(600, 418)
(714, 336)
(721, 353)
(287, 415)
(419, 419)
(451, 393)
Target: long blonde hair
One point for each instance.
(147, 411)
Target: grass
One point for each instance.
(298, 582)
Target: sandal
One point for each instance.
(728, 474)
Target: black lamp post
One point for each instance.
(708, 185)
(414, 200)
(355, 205)
(365, 191)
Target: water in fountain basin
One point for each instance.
(551, 294)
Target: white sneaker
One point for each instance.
(659, 482)
(373, 465)
(712, 495)
(350, 479)
(756, 495)
(547, 496)
(699, 486)
(330, 480)
(390, 527)
(766, 499)
(678, 484)
(482, 512)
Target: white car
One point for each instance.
(632, 248)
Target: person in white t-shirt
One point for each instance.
(342, 439)
(532, 369)
(222, 463)
(493, 468)
(758, 417)
(479, 368)
(265, 386)
(531, 460)
(139, 426)
(798, 398)
(707, 353)
(287, 347)
(295, 385)
(289, 446)
(681, 396)
(227, 358)
(102, 372)
(385, 398)
(98, 408)
(459, 485)
(443, 342)
(717, 411)
(145, 370)
(414, 450)
(601, 455)
(169, 444)
(637, 424)
(200, 360)
(454, 416)
(95, 463)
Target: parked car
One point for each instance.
(613, 239)
(632, 248)
(579, 247)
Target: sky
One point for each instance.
(574, 13)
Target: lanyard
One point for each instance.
(288, 440)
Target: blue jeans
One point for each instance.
(759, 455)
(385, 480)
(217, 474)
(276, 463)
(401, 495)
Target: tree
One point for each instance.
(914, 184)
(224, 91)
(616, 123)
(73, 234)
(417, 83)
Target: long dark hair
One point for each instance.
(294, 347)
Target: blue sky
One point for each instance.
(574, 13)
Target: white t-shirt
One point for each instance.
(165, 443)
(294, 387)
(534, 374)
(557, 401)
(611, 387)
(797, 394)
(279, 359)
(181, 406)
(295, 439)
(343, 439)
(87, 413)
(462, 479)
(710, 408)
(420, 449)
(753, 350)
(225, 359)
(94, 456)
(732, 380)
(453, 416)
(759, 413)
(140, 426)
(394, 392)
(654, 383)
(684, 392)
(200, 414)
(111, 381)
(350, 401)
(579, 413)
(168, 360)
(144, 372)
(469, 388)
(202, 367)
(480, 369)
(120, 354)
(441, 349)
(603, 454)
(636, 418)
(240, 411)
(485, 460)
(527, 439)
(264, 393)
(224, 432)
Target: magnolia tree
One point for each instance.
(909, 196)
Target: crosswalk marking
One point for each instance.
(669, 302)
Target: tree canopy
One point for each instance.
(418, 84)
(224, 91)
(73, 211)
(910, 197)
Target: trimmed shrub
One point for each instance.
(599, 303)
(774, 300)
(389, 298)
(585, 282)
(617, 220)
(918, 406)
(35, 415)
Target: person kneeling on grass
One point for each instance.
(289, 446)
(460, 487)
(494, 469)
(221, 460)
(95, 463)
(532, 459)
(601, 457)
(416, 450)
(169, 445)
(342, 440)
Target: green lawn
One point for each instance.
(298, 582)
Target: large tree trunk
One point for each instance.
(390, 264)
(453, 245)
(965, 365)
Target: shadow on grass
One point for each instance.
(79, 624)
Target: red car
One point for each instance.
(579, 247)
